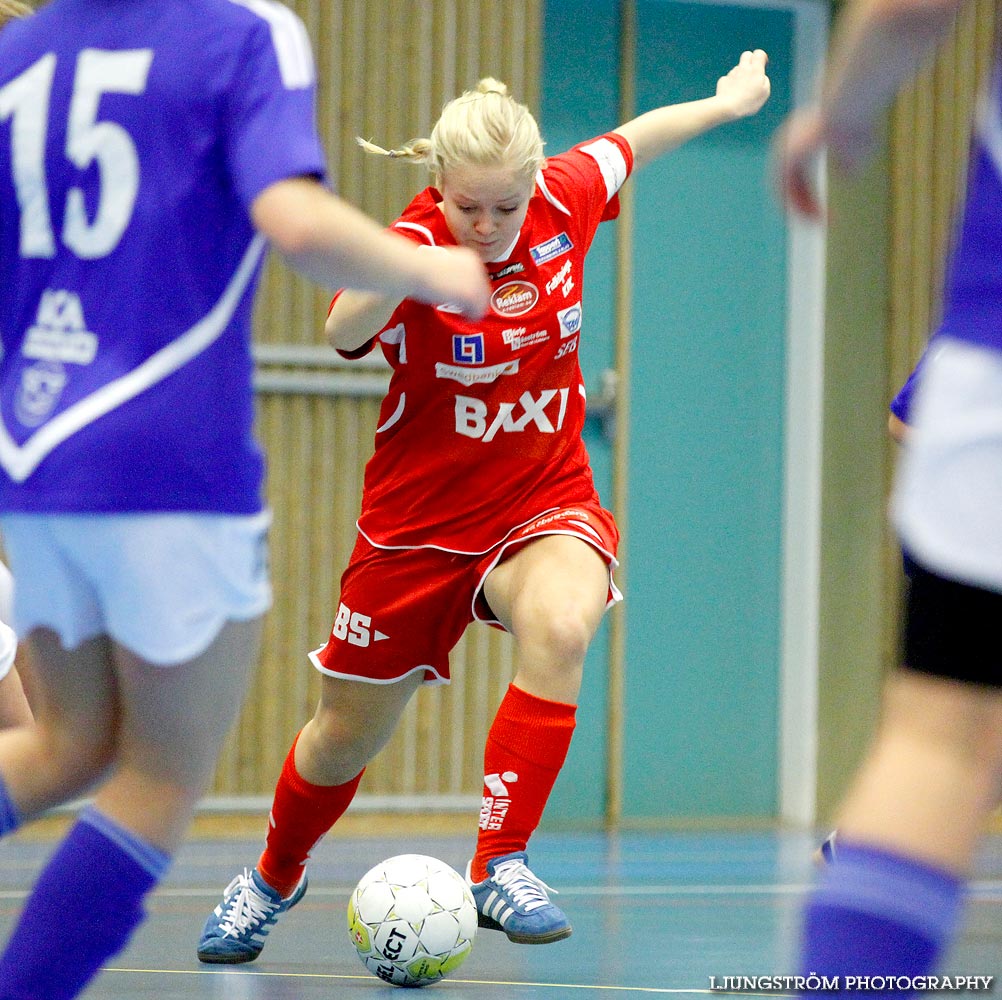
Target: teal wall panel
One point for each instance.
(579, 97)
(706, 430)
(706, 463)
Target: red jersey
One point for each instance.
(480, 430)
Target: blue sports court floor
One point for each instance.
(653, 914)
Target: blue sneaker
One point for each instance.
(513, 900)
(825, 854)
(237, 927)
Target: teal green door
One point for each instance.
(706, 434)
(705, 483)
(579, 99)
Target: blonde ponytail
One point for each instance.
(484, 127)
(9, 9)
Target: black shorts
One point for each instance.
(952, 629)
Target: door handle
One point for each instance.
(602, 407)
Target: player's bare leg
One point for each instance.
(151, 734)
(551, 595)
(352, 722)
(933, 774)
(894, 895)
(14, 707)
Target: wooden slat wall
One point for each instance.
(385, 68)
(929, 138)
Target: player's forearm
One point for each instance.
(659, 131)
(878, 46)
(336, 245)
(356, 317)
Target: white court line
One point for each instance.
(984, 890)
(693, 991)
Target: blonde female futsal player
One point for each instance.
(478, 502)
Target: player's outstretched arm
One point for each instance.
(878, 46)
(739, 94)
(337, 246)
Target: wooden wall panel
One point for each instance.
(385, 69)
(930, 130)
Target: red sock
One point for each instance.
(526, 747)
(301, 813)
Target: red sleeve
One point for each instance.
(587, 178)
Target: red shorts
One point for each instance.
(404, 610)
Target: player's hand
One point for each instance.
(796, 149)
(456, 277)
(746, 88)
(799, 143)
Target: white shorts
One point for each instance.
(161, 585)
(947, 503)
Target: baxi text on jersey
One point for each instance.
(545, 413)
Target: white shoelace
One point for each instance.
(248, 906)
(527, 890)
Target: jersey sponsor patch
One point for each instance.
(516, 268)
(59, 332)
(518, 337)
(553, 247)
(514, 298)
(473, 376)
(468, 348)
(562, 277)
(59, 336)
(569, 320)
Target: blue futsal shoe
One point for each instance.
(513, 900)
(237, 927)
(825, 854)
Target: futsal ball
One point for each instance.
(412, 920)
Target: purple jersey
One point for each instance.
(134, 136)
(973, 300)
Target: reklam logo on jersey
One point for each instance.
(515, 298)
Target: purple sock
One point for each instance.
(83, 909)
(878, 914)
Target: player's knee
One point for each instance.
(342, 743)
(565, 634)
